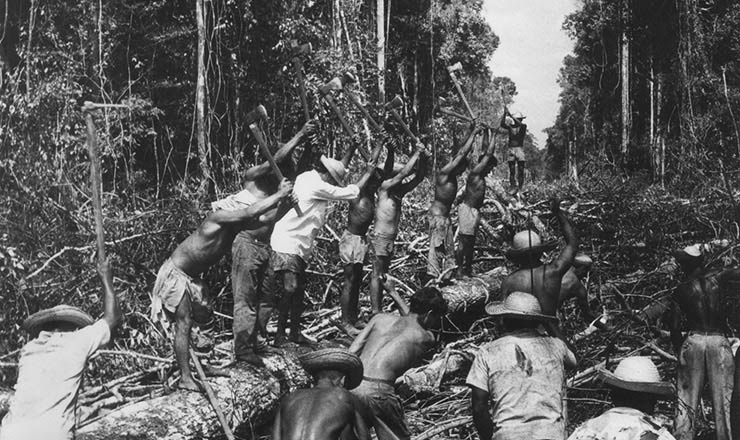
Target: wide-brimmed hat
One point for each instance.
(337, 359)
(61, 313)
(527, 243)
(518, 115)
(335, 168)
(637, 373)
(520, 305)
(688, 255)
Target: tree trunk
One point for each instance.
(474, 293)
(202, 128)
(625, 78)
(380, 34)
(572, 164)
(247, 398)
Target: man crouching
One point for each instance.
(327, 411)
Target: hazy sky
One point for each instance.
(531, 50)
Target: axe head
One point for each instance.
(299, 49)
(334, 84)
(349, 78)
(455, 67)
(394, 103)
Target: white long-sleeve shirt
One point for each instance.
(295, 235)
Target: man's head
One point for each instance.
(689, 258)
(332, 364)
(527, 248)
(519, 310)
(60, 318)
(581, 264)
(332, 171)
(430, 305)
(636, 383)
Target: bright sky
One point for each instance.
(531, 50)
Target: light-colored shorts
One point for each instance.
(171, 285)
(352, 248)
(383, 244)
(468, 219)
(516, 154)
(382, 409)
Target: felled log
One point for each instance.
(473, 293)
(247, 397)
(5, 395)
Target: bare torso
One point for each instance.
(445, 191)
(204, 247)
(547, 283)
(263, 231)
(361, 213)
(516, 136)
(387, 212)
(394, 344)
(319, 413)
(475, 190)
(701, 302)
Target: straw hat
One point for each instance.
(637, 373)
(519, 305)
(61, 313)
(337, 359)
(528, 243)
(518, 115)
(335, 168)
(689, 254)
(582, 259)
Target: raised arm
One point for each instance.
(389, 284)
(353, 144)
(405, 171)
(487, 157)
(389, 160)
(281, 154)
(369, 170)
(111, 310)
(565, 259)
(461, 153)
(359, 343)
(254, 211)
(421, 173)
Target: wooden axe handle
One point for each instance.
(459, 89)
(96, 183)
(271, 160)
(363, 110)
(405, 127)
(298, 67)
(454, 114)
(344, 123)
(211, 396)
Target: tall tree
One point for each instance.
(202, 126)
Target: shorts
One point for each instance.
(468, 219)
(516, 154)
(287, 262)
(352, 248)
(171, 285)
(382, 409)
(383, 244)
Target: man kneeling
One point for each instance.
(326, 411)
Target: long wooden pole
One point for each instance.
(95, 183)
(211, 396)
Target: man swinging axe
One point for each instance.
(336, 84)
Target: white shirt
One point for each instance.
(49, 377)
(242, 199)
(295, 235)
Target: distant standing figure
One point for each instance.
(517, 130)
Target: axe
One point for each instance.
(391, 106)
(336, 84)
(297, 51)
(251, 119)
(95, 178)
(348, 78)
(451, 70)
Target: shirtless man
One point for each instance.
(180, 294)
(517, 130)
(353, 244)
(468, 212)
(441, 246)
(572, 287)
(704, 354)
(388, 216)
(328, 410)
(527, 251)
(254, 294)
(388, 346)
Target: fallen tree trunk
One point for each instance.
(475, 292)
(247, 397)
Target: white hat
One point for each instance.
(637, 373)
(694, 250)
(519, 305)
(518, 115)
(335, 168)
(528, 242)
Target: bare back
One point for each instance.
(261, 192)
(204, 247)
(388, 211)
(516, 135)
(320, 413)
(361, 213)
(393, 345)
(547, 283)
(475, 190)
(701, 302)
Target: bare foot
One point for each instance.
(190, 384)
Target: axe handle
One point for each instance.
(455, 114)
(211, 396)
(459, 89)
(405, 127)
(95, 182)
(298, 67)
(344, 123)
(363, 110)
(271, 160)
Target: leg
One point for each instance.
(520, 174)
(466, 251)
(735, 407)
(345, 300)
(295, 282)
(512, 173)
(720, 369)
(691, 376)
(246, 297)
(380, 268)
(183, 324)
(283, 304)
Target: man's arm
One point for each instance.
(359, 343)
(389, 284)
(281, 154)
(405, 171)
(421, 173)
(276, 434)
(369, 171)
(481, 415)
(582, 299)
(111, 310)
(389, 161)
(353, 144)
(565, 259)
(252, 212)
(462, 152)
(675, 323)
(361, 430)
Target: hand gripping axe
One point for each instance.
(298, 51)
(336, 84)
(451, 70)
(392, 107)
(349, 78)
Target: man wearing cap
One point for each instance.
(441, 245)
(635, 389)
(468, 212)
(388, 217)
(180, 295)
(542, 280)
(253, 291)
(704, 354)
(51, 365)
(293, 238)
(327, 410)
(517, 130)
(518, 380)
(353, 244)
(388, 346)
